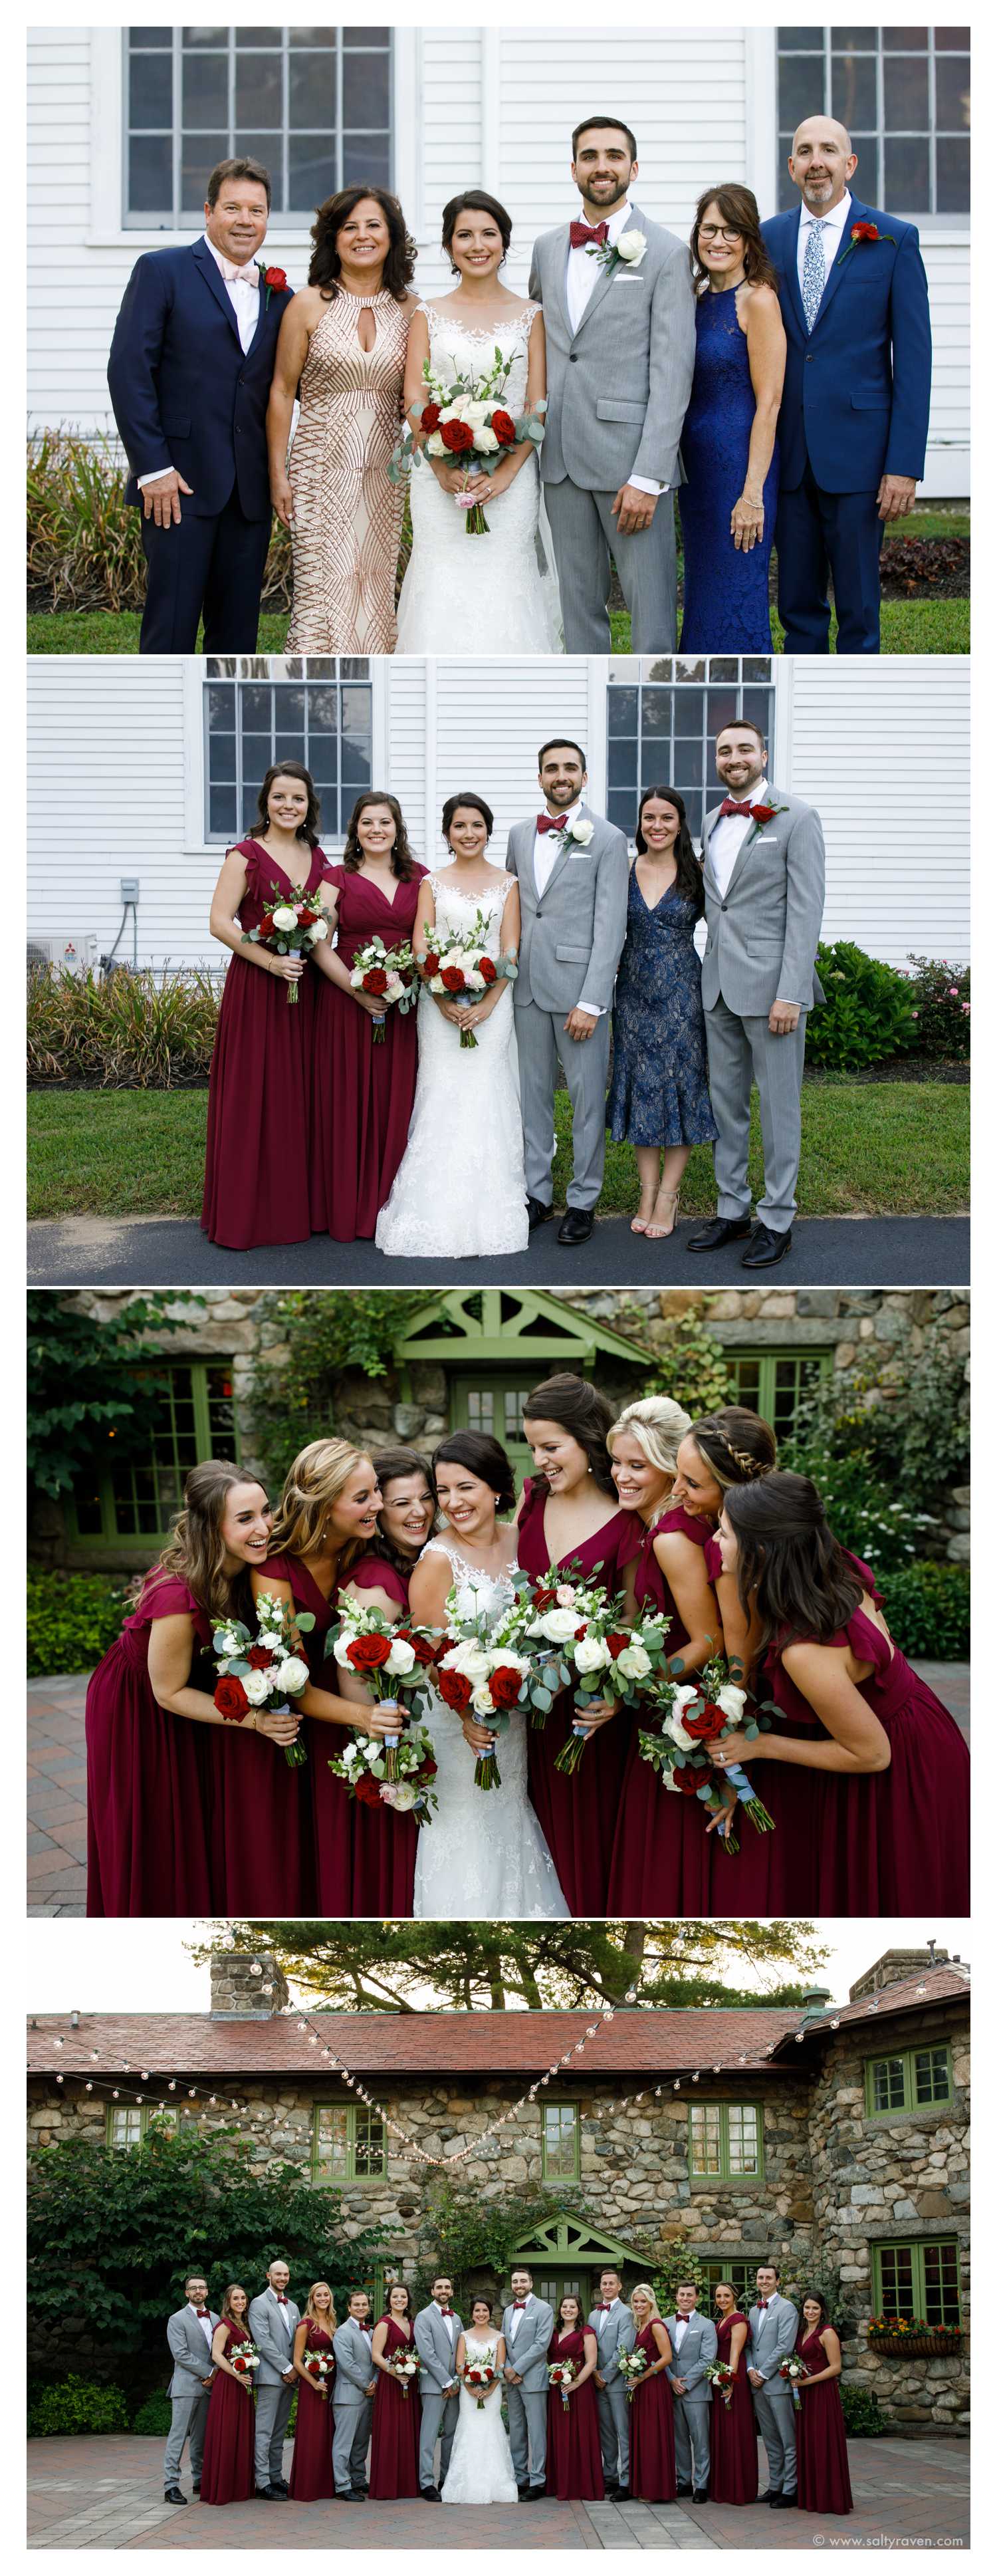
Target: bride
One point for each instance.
(460, 1188)
(499, 588)
(483, 1854)
(481, 2470)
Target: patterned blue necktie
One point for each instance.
(813, 273)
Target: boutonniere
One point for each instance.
(580, 831)
(272, 280)
(864, 233)
(628, 250)
(767, 813)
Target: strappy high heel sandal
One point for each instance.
(659, 1233)
(640, 1224)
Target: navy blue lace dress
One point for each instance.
(659, 1094)
(726, 597)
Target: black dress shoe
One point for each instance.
(683, 2491)
(280, 2486)
(576, 1226)
(766, 1248)
(523, 2494)
(197, 2486)
(430, 2495)
(701, 2495)
(172, 2495)
(268, 2495)
(358, 2495)
(721, 1230)
(537, 1213)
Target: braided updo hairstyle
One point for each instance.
(736, 1444)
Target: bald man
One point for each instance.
(853, 427)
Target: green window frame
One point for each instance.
(909, 2080)
(349, 2144)
(134, 1496)
(739, 2273)
(560, 2142)
(726, 2142)
(774, 1383)
(128, 2122)
(914, 2278)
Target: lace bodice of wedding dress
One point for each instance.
(484, 1853)
(501, 587)
(460, 1189)
(481, 2470)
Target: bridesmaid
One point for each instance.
(227, 2472)
(363, 1092)
(311, 2468)
(652, 2413)
(341, 352)
(149, 1769)
(659, 1098)
(256, 1180)
(384, 1844)
(824, 2485)
(869, 1773)
(733, 2434)
(727, 503)
(570, 1518)
(325, 1520)
(574, 2454)
(394, 2449)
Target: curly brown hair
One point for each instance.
(403, 859)
(196, 1550)
(738, 207)
(325, 264)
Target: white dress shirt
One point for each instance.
(446, 2320)
(517, 2316)
(830, 241)
(680, 2326)
(727, 835)
(579, 280)
(207, 2329)
(243, 285)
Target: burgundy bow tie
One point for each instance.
(731, 806)
(551, 822)
(202, 2312)
(582, 233)
(446, 2312)
(518, 2303)
(605, 2308)
(280, 2298)
(762, 2305)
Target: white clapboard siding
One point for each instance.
(106, 766)
(491, 718)
(885, 758)
(946, 259)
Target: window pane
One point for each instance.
(365, 36)
(797, 40)
(622, 710)
(139, 37)
(905, 95)
(199, 155)
(853, 90)
(331, 2151)
(931, 2075)
(366, 89)
(151, 90)
(905, 40)
(888, 2084)
(559, 2139)
(312, 91)
(205, 91)
(951, 96)
(906, 178)
(126, 2125)
(951, 40)
(742, 2127)
(312, 35)
(705, 2131)
(897, 2274)
(150, 175)
(205, 36)
(222, 812)
(853, 40)
(367, 157)
(747, 1378)
(941, 2285)
(952, 186)
(801, 89)
(369, 2157)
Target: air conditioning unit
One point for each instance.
(72, 951)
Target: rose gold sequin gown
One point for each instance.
(347, 514)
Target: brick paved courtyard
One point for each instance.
(108, 2494)
(57, 1782)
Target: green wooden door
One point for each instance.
(492, 1400)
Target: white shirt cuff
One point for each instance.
(640, 484)
(157, 477)
(592, 1010)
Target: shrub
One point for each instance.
(72, 1620)
(861, 2411)
(127, 1031)
(940, 998)
(867, 1014)
(863, 1511)
(928, 1610)
(155, 2415)
(906, 1415)
(76, 2406)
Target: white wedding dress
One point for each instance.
(483, 1855)
(481, 2470)
(492, 594)
(460, 1188)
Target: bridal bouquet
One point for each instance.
(243, 2357)
(631, 2367)
(721, 2379)
(254, 1670)
(392, 1662)
(572, 1634)
(406, 2367)
(389, 974)
(560, 2374)
(480, 2376)
(699, 1713)
(465, 418)
(319, 2365)
(463, 969)
(793, 2370)
(406, 1787)
(290, 929)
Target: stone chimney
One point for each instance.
(893, 1967)
(246, 1985)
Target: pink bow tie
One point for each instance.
(250, 273)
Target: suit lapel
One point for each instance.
(605, 275)
(856, 215)
(561, 861)
(214, 280)
(791, 271)
(561, 247)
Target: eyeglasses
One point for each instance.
(718, 232)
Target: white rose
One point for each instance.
(475, 413)
(502, 1660)
(256, 1687)
(582, 830)
(592, 1654)
(482, 1702)
(341, 1649)
(485, 440)
(634, 1664)
(731, 1700)
(372, 1751)
(452, 411)
(230, 1644)
(401, 1658)
(320, 930)
(434, 444)
(558, 1625)
(292, 1674)
(284, 918)
(400, 1796)
(683, 1697)
(566, 1595)
(474, 979)
(469, 1659)
(631, 246)
(675, 1728)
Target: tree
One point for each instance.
(471, 1967)
(320, 1333)
(89, 1382)
(685, 1359)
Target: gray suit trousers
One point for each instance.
(528, 2434)
(439, 2422)
(692, 2440)
(585, 533)
(188, 2417)
(350, 2437)
(739, 1050)
(273, 2406)
(614, 2433)
(776, 2420)
(541, 1043)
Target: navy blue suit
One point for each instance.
(854, 407)
(185, 395)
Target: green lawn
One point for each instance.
(907, 626)
(141, 1153)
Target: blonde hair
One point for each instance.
(312, 2312)
(648, 2294)
(736, 1445)
(657, 1424)
(311, 1487)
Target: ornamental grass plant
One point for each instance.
(130, 1031)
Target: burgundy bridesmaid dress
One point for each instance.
(733, 2431)
(574, 2455)
(823, 2483)
(261, 1811)
(227, 2472)
(394, 2449)
(383, 1843)
(363, 1094)
(652, 2433)
(577, 1810)
(661, 1844)
(256, 1180)
(311, 2468)
(324, 1806)
(148, 1834)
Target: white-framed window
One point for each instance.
(663, 712)
(903, 93)
(318, 709)
(314, 104)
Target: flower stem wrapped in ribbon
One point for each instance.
(291, 928)
(721, 2379)
(631, 2367)
(464, 417)
(388, 975)
(560, 2375)
(261, 1671)
(698, 1713)
(794, 2371)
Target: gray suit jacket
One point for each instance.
(436, 2352)
(761, 936)
(614, 2334)
(354, 2366)
(770, 2337)
(275, 2348)
(528, 2354)
(192, 2360)
(617, 388)
(699, 2344)
(571, 936)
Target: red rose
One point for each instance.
(431, 961)
(230, 1697)
(486, 970)
(504, 428)
(457, 435)
(426, 1771)
(277, 278)
(762, 813)
(368, 1790)
(544, 1597)
(375, 980)
(617, 1639)
(581, 1632)
(865, 232)
(707, 1726)
(452, 979)
(687, 1779)
(260, 1658)
(430, 418)
(306, 918)
(367, 1654)
(267, 928)
(505, 1686)
(425, 1649)
(454, 1690)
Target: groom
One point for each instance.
(619, 318)
(438, 2330)
(573, 878)
(189, 372)
(527, 2324)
